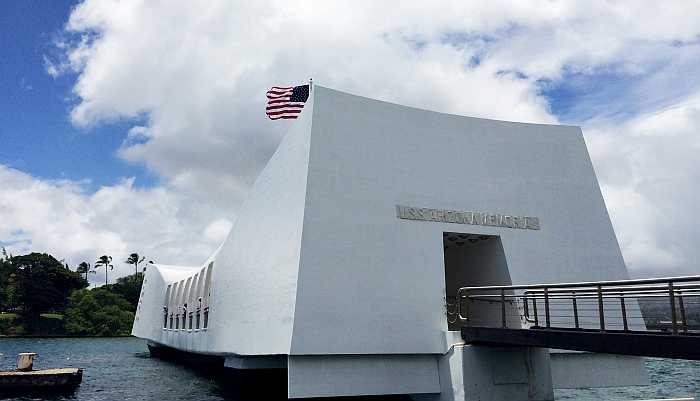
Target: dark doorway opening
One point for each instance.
(475, 260)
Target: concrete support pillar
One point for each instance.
(471, 373)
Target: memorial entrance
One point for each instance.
(474, 260)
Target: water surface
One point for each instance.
(117, 369)
(121, 369)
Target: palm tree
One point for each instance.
(84, 268)
(134, 260)
(105, 261)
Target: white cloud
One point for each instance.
(60, 218)
(649, 169)
(201, 81)
(195, 74)
(217, 230)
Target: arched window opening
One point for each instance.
(179, 300)
(199, 313)
(198, 294)
(166, 304)
(185, 299)
(207, 294)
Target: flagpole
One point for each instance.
(311, 85)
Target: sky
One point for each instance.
(139, 126)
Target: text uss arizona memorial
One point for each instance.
(474, 218)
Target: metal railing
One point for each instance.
(666, 305)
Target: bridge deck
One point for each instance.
(685, 346)
(600, 316)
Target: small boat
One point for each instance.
(25, 378)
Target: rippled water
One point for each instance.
(669, 378)
(121, 369)
(115, 369)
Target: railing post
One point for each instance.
(458, 306)
(573, 297)
(463, 319)
(468, 307)
(546, 306)
(624, 312)
(525, 307)
(601, 310)
(534, 309)
(681, 306)
(672, 299)
(503, 308)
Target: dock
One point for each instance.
(58, 377)
(25, 378)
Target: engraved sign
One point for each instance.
(473, 218)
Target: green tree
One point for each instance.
(134, 260)
(98, 312)
(11, 292)
(129, 287)
(6, 271)
(105, 261)
(85, 268)
(42, 284)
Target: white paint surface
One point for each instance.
(317, 262)
(355, 375)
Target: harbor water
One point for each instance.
(121, 369)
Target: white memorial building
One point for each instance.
(360, 230)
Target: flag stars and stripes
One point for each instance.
(286, 102)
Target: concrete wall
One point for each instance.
(255, 275)
(372, 283)
(148, 322)
(355, 375)
(470, 373)
(317, 262)
(250, 289)
(478, 264)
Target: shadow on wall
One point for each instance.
(476, 260)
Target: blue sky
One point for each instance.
(191, 82)
(37, 135)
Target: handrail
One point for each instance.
(680, 279)
(616, 294)
(555, 298)
(645, 288)
(593, 294)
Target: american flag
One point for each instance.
(286, 102)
